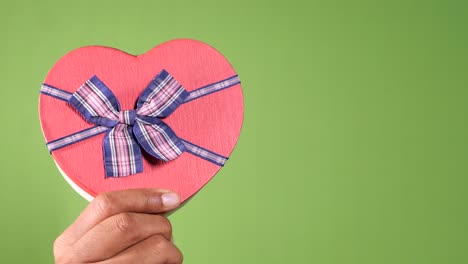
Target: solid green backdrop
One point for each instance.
(354, 145)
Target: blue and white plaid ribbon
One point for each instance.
(129, 130)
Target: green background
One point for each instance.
(354, 146)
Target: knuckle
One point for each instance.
(178, 257)
(57, 245)
(165, 224)
(160, 244)
(64, 259)
(124, 222)
(151, 201)
(162, 248)
(60, 250)
(104, 204)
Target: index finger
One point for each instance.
(112, 203)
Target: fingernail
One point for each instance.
(170, 199)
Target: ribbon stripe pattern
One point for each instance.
(130, 130)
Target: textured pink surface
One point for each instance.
(213, 122)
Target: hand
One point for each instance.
(121, 227)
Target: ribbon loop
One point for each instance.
(162, 96)
(96, 103)
(158, 140)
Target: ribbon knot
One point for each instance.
(127, 117)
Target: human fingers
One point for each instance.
(117, 233)
(113, 203)
(153, 250)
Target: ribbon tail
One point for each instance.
(212, 88)
(158, 139)
(122, 155)
(205, 154)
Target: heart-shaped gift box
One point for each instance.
(166, 119)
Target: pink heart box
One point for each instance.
(213, 122)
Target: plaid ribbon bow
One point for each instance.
(128, 130)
